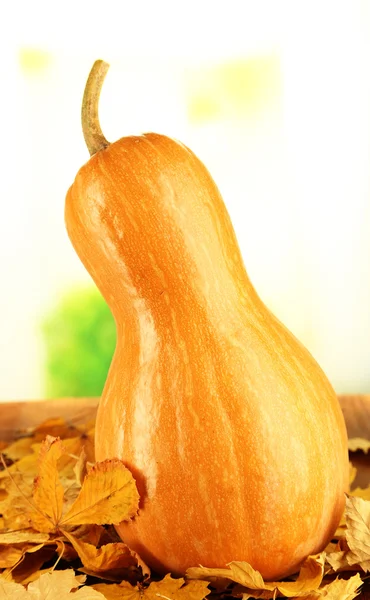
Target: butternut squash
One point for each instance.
(231, 429)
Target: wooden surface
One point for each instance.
(15, 416)
(19, 415)
(356, 410)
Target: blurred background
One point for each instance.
(273, 96)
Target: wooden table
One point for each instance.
(23, 415)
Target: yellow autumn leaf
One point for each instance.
(340, 531)
(15, 500)
(55, 427)
(80, 468)
(60, 585)
(309, 578)
(34, 576)
(15, 512)
(48, 490)
(119, 591)
(66, 465)
(337, 558)
(339, 589)
(9, 556)
(353, 552)
(26, 466)
(352, 473)
(85, 593)
(23, 537)
(358, 531)
(19, 449)
(33, 557)
(238, 572)
(108, 496)
(168, 588)
(13, 546)
(355, 444)
(145, 570)
(176, 589)
(92, 534)
(13, 591)
(107, 557)
(363, 493)
(342, 589)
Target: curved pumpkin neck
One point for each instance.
(160, 229)
(159, 232)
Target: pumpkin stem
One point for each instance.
(93, 134)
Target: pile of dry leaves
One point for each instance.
(57, 540)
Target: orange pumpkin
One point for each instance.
(231, 429)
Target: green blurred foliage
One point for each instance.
(79, 337)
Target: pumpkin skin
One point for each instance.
(231, 429)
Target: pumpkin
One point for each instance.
(231, 429)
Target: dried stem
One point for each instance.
(94, 137)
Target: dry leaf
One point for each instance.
(19, 449)
(32, 560)
(34, 576)
(358, 532)
(23, 537)
(57, 585)
(167, 588)
(108, 496)
(309, 578)
(145, 570)
(339, 589)
(331, 547)
(80, 468)
(355, 444)
(176, 589)
(115, 556)
(9, 556)
(340, 531)
(238, 572)
(13, 546)
(49, 492)
(73, 448)
(91, 534)
(13, 591)
(352, 473)
(57, 468)
(338, 559)
(65, 550)
(342, 589)
(15, 510)
(363, 493)
(50, 586)
(55, 427)
(87, 441)
(26, 466)
(353, 552)
(16, 492)
(122, 591)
